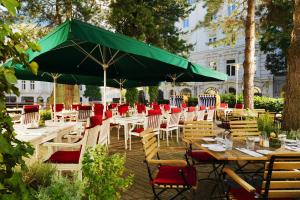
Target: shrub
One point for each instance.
(39, 175)
(192, 101)
(104, 174)
(45, 115)
(153, 93)
(162, 101)
(265, 123)
(131, 96)
(61, 188)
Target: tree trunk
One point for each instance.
(292, 95)
(249, 66)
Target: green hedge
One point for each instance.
(192, 101)
(267, 103)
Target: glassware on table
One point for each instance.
(298, 140)
(228, 142)
(250, 143)
(282, 138)
(220, 138)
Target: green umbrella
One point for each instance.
(79, 48)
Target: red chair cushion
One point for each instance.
(95, 120)
(98, 109)
(138, 130)
(164, 125)
(75, 106)
(122, 109)
(201, 156)
(183, 105)
(112, 106)
(108, 114)
(141, 108)
(156, 107)
(154, 112)
(170, 175)
(58, 107)
(167, 107)
(81, 107)
(31, 108)
(212, 108)
(239, 106)
(224, 105)
(191, 109)
(65, 157)
(175, 110)
(202, 108)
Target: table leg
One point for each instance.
(126, 134)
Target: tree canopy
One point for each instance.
(92, 92)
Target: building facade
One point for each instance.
(226, 59)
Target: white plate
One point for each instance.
(208, 139)
(264, 152)
(217, 148)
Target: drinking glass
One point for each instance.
(282, 138)
(228, 142)
(220, 138)
(298, 140)
(250, 143)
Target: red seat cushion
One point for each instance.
(95, 121)
(191, 109)
(201, 156)
(154, 112)
(170, 175)
(175, 110)
(138, 130)
(65, 157)
(164, 125)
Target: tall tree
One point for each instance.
(292, 95)
(276, 24)
(92, 92)
(153, 93)
(151, 21)
(232, 26)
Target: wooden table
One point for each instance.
(52, 131)
(234, 154)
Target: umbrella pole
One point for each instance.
(104, 91)
(55, 77)
(120, 102)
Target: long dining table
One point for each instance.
(37, 136)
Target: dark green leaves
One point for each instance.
(11, 6)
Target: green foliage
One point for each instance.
(39, 175)
(153, 93)
(92, 92)
(192, 101)
(61, 188)
(151, 21)
(276, 26)
(45, 115)
(267, 103)
(104, 174)
(132, 95)
(265, 124)
(12, 151)
(162, 101)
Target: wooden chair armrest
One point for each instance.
(239, 180)
(188, 141)
(168, 162)
(67, 145)
(73, 136)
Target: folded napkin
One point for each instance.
(249, 152)
(292, 148)
(208, 139)
(210, 145)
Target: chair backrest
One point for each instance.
(244, 128)
(149, 141)
(153, 120)
(200, 115)
(141, 108)
(197, 129)
(59, 107)
(84, 112)
(239, 106)
(174, 117)
(189, 115)
(183, 105)
(89, 140)
(282, 176)
(104, 132)
(210, 115)
(98, 109)
(155, 106)
(202, 108)
(108, 114)
(30, 113)
(75, 106)
(123, 109)
(167, 107)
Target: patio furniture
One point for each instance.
(141, 108)
(59, 107)
(195, 130)
(210, 115)
(108, 115)
(104, 136)
(123, 109)
(97, 109)
(153, 121)
(75, 106)
(281, 179)
(244, 128)
(200, 114)
(174, 175)
(65, 160)
(30, 114)
(84, 113)
(171, 123)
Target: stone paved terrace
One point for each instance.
(141, 188)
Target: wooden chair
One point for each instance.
(103, 138)
(174, 175)
(244, 128)
(281, 179)
(70, 160)
(171, 123)
(84, 112)
(195, 130)
(30, 114)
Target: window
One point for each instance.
(32, 85)
(27, 99)
(230, 9)
(11, 99)
(230, 67)
(212, 38)
(80, 87)
(185, 23)
(232, 90)
(23, 85)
